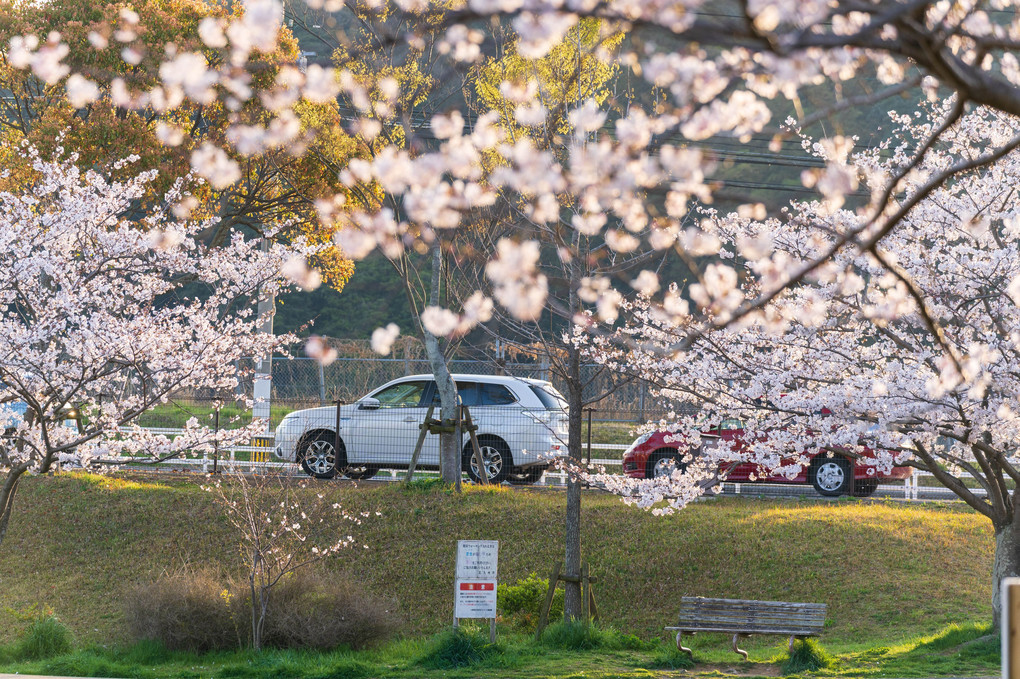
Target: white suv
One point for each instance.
(522, 423)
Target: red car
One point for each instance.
(652, 455)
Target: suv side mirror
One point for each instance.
(369, 403)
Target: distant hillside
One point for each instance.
(746, 172)
(372, 298)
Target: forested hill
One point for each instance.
(372, 298)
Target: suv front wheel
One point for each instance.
(318, 455)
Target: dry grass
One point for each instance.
(185, 610)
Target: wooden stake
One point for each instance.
(585, 593)
(543, 620)
(477, 450)
(424, 427)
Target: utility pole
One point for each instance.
(263, 385)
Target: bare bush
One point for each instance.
(312, 610)
(186, 610)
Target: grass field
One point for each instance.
(892, 574)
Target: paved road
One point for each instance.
(894, 491)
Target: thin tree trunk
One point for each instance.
(449, 453)
(7, 495)
(449, 447)
(1007, 559)
(572, 605)
(256, 641)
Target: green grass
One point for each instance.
(460, 647)
(881, 567)
(468, 653)
(44, 638)
(177, 413)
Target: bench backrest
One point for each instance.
(762, 617)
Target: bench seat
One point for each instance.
(744, 617)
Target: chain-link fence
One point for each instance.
(512, 441)
(347, 379)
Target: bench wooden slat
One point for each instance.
(751, 602)
(738, 622)
(748, 609)
(745, 616)
(748, 631)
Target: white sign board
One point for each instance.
(475, 599)
(475, 588)
(476, 559)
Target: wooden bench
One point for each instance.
(743, 618)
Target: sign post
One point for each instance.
(1010, 628)
(474, 593)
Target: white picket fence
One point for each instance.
(228, 462)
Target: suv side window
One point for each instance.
(403, 395)
(475, 394)
(494, 395)
(467, 393)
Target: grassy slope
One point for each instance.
(76, 543)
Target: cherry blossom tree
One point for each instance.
(95, 316)
(157, 47)
(908, 351)
(280, 529)
(718, 67)
(564, 245)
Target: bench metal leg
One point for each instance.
(681, 647)
(792, 639)
(737, 650)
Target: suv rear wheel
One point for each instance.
(496, 459)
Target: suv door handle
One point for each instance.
(410, 418)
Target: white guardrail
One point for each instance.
(909, 488)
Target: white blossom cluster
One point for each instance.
(906, 350)
(99, 314)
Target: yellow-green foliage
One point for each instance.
(579, 68)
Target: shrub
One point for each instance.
(428, 485)
(521, 603)
(45, 638)
(807, 656)
(580, 635)
(309, 610)
(187, 611)
(458, 647)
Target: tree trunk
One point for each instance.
(1007, 561)
(449, 450)
(256, 640)
(7, 495)
(572, 604)
(449, 446)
